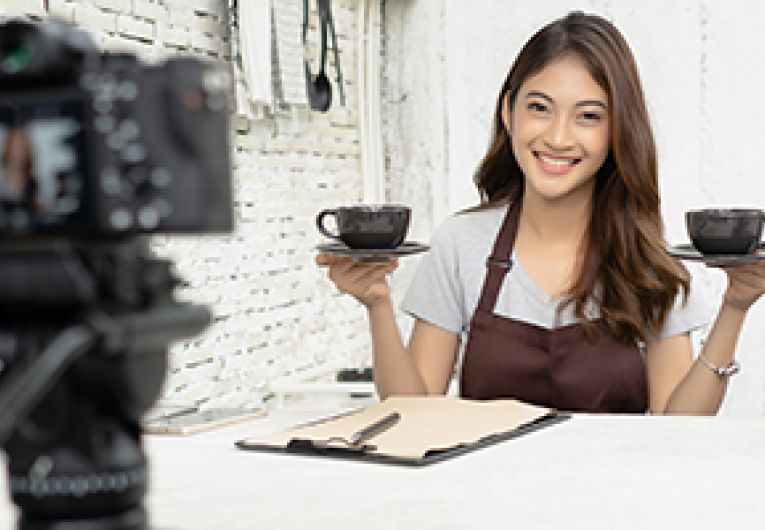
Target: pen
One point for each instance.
(181, 412)
(375, 428)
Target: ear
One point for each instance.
(506, 113)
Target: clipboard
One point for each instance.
(428, 429)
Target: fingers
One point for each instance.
(361, 268)
(351, 275)
(364, 280)
(753, 266)
(750, 281)
(745, 273)
(322, 259)
(377, 272)
(746, 284)
(361, 279)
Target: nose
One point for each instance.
(558, 134)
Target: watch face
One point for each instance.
(732, 369)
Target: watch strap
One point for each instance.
(724, 372)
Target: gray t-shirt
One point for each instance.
(448, 282)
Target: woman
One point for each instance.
(578, 306)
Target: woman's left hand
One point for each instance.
(746, 283)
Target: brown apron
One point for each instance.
(558, 368)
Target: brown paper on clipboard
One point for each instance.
(427, 424)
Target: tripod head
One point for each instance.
(83, 345)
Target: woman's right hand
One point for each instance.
(365, 281)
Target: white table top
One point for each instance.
(590, 472)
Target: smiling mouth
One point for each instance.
(559, 162)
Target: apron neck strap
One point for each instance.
(500, 261)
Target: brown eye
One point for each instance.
(593, 117)
(536, 106)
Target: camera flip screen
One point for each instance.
(41, 156)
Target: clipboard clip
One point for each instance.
(356, 441)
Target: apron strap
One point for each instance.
(500, 261)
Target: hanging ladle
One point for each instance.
(318, 89)
(339, 74)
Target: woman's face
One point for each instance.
(560, 129)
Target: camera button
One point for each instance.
(148, 218)
(102, 106)
(129, 130)
(114, 141)
(110, 181)
(104, 123)
(163, 207)
(161, 177)
(128, 90)
(134, 154)
(121, 219)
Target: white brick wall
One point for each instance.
(27, 7)
(275, 312)
(95, 19)
(59, 8)
(119, 6)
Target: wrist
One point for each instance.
(378, 303)
(723, 372)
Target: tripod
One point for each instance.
(84, 330)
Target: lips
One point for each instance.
(555, 164)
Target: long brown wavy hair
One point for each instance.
(625, 270)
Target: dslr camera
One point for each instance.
(97, 151)
(100, 145)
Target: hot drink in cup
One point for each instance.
(725, 230)
(366, 226)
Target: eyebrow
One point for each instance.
(583, 103)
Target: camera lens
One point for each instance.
(14, 55)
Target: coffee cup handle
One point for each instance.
(320, 224)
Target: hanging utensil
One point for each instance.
(338, 73)
(318, 89)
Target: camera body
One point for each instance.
(99, 145)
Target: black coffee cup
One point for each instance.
(725, 230)
(367, 226)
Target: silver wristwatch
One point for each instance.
(724, 372)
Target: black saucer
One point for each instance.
(689, 253)
(373, 254)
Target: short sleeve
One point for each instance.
(688, 316)
(436, 294)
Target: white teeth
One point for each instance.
(556, 162)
